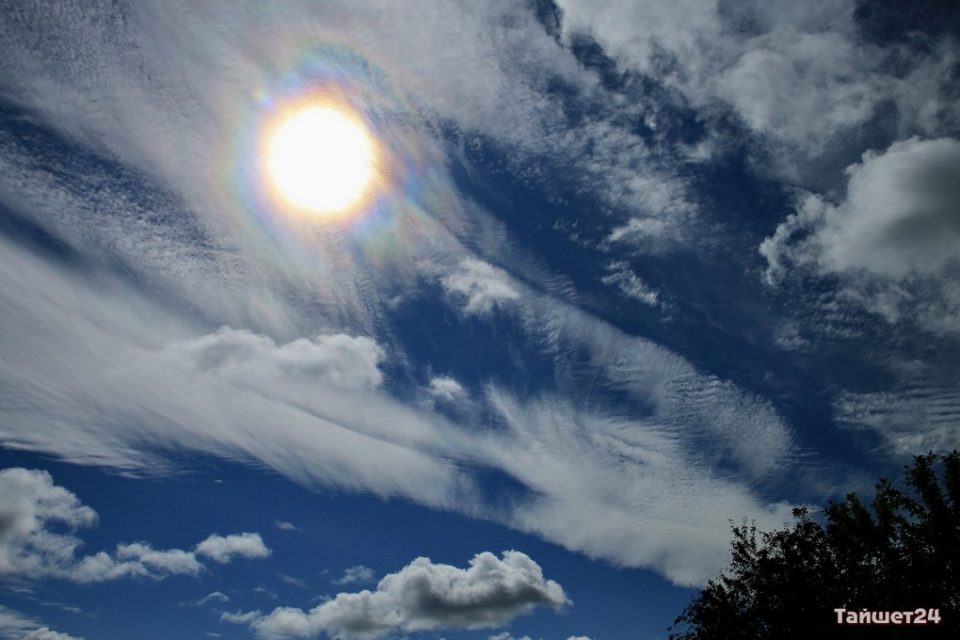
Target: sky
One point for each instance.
(622, 274)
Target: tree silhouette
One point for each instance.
(902, 553)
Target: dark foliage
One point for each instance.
(900, 553)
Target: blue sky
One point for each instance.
(625, 273)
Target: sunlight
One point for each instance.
(320, 159)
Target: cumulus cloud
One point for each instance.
(31, 509)
(424, 595)
(223, 549)
(286, 526)
(480, 286)
(445, 388)
(893, 241)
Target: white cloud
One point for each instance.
(294, 381)
(158, 379)
(30, 501)
(32, 505)
(481, 286)
(107, 387)
(506, 635)
(286, 526)
(630, 284)
(215, 596)
(170, 561)
(798, 76)
(240, 617)
(355, 574)
(16, 626)
(445, 388)
(892, 241)
(296, 582)
(625, 490)
(917, 416)
(44, 633)
(423, 596)
(336, 360)
(223, 549)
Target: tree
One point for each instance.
(902, 553)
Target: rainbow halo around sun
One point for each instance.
(320, 159)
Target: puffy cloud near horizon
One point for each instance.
(423, 596)
(31, 505)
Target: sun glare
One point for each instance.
(320, 159)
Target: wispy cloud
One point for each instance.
(630, 284)
(215, 596)
(797, 78)
(216, 329)
(16, 626)
(356, 574)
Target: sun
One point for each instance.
(320, 159)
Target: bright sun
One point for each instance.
(320, 159)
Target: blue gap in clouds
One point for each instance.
(901, 22)
(473, 349)
(721, 320)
